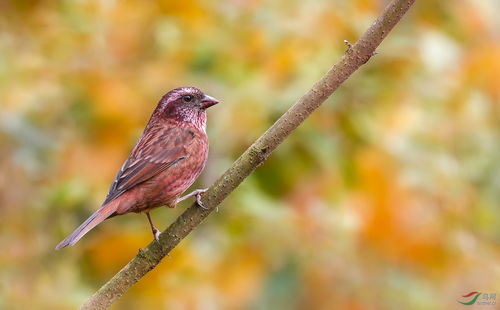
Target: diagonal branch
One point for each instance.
(147, 258)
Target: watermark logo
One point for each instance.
(478, 298)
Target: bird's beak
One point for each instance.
(208, 101)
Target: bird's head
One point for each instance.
(186, 104)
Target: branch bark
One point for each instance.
(147, 258)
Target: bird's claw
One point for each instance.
(156, 232)
(197, 193)
(198, 198)
(156, 235)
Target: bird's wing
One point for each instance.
(158, 149)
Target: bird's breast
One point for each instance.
(167, 186)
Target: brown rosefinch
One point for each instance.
(167, 159)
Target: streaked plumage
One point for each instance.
(166, 160)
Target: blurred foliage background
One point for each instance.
(386, 198)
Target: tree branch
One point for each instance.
(147, 259)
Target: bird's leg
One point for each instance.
(156, 232)
(196, 193)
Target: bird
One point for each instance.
(167, 159)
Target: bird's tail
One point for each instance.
(100, 215)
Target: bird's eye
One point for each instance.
(187, 98)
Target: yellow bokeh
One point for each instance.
(386, 197)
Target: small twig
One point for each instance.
(349, 45)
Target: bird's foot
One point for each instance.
(156, 234)
(198, 198)
(196, 193)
